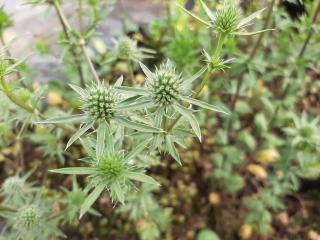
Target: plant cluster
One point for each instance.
(196, 110)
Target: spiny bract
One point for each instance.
(100, 102)
(165, 84)
(126, 48)
(226, 19)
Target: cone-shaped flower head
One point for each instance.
(165, 84)
(29, 217)
(100, 102)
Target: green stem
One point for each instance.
(130, 70)
(206, 78)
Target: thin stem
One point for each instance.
(314, 19)
(88, 59)
(252, 54)
(206, 78)
(130, 70)
(66, 28)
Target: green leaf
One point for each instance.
(195, 76)
(136, 105)
(101, 135)
(203, 104)
(192, 15)
(67, 119)
(172, 149)
(109, 140)
(79, 133)
(87, 147)
(186, 113)
(118, 191)
(141, 177)
(146, 70)
(208, 11)
(78, 90)
(92, 197)
(248, 19)
(251, 33)
(137, 149)
(75, 170)
(119, 81)
(138, 126)
(133, 90)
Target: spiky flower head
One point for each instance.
(165, 84)
(13, 185)
(100, 102)
(29, 217)
(126, 48)
(226, 19)
(111, 167)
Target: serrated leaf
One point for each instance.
(138, 126)
(248, 19)
(133, 90)
(78, 134)
(87, 147)
(188, 115)
(67, 119)
(251, 33)
(208, 11)
(195, 76)
(203, 104)
(118, 191)
(146, 70)
(75, 170)
(141, 177)
(90, 200)
(136, 105)
(78, 90)
(172, 149)
(119, 81)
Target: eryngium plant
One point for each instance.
(102, 102)
(110, 169)
(227, 20)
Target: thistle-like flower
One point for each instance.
(103, 103)
(127, 49)
(29, 218)
(110, 169)
(227, 20)
(16, 189)
(33, 220)
(166, 91)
